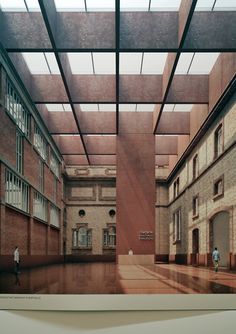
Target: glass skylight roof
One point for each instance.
(142, 63)
(92, 63)
(58, 107)
(196, 63)
(177, 107)
(19, 5)
(41, 63)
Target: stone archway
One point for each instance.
(219, 236)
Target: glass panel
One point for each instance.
(104, 63)
(134, 5)
(130, 63)
(70, 5)
(36, 62)
(183, 107)
(225, 5)
(52, 62)
(13, 5)
(54, 107)
(67, 107)
(145, 107)
(107, 107)
(127, 107)
(33, 5)
(153, 63)
(80, 63)
(89, 107)
(168, 107)
(203, 62)
(184, 63)
(204, 5)
(163, 5)
(101, 5)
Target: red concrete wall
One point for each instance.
(7, 138)
(135, 183)
(54, 241)
(16, 232)
(39, 239)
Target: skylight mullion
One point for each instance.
(213, 5)
(26, 6)
(190, 63)
(141, 67)
(149, 5)
(93, 63)
(47, 63)
(85, 6)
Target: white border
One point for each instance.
(117, 302)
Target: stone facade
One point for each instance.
(92, 190)
(211, 168)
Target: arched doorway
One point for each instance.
(196, 241)
(219, 236)
(195, 246)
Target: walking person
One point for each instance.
(16, 260)
(216, 259)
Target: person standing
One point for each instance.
(216, 259)
(17, 260)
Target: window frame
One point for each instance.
(16, 191)
(19, 152)
(195, 166)
(177, 225)
(218, 147)
(216, 182)
(195, 206)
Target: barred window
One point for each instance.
(19, 152)
(54, 216)
(40, 142)
(40, 206)
(54, 164)
(16, 108)
(16, 191)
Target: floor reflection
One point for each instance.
(108, 278)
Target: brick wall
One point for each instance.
(16, 232)
(39, 238)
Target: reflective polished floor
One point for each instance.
(108, 278)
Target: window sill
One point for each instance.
(195, 216)
(82, 248)
(176, 242)
(109, 247)
(218, 196)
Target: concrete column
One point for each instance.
(135, 186)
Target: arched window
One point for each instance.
(109, 237)
(82, 237)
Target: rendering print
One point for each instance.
(117, 147)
